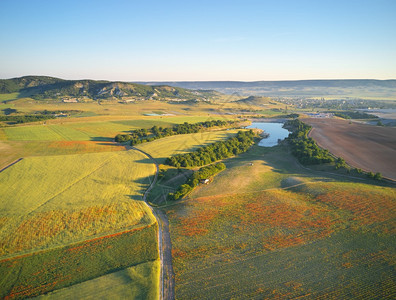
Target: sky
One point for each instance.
(198, 40)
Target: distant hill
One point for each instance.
(353, 88)
(255, 100)
(42, 87)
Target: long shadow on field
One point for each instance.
(101, 139)
(145, 161)
(143, 184)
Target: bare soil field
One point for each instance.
(368, 147)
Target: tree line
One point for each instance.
(353, 115)
(25, 118)
(214, 152)
(193, 181)
(308, 152)
(303, 147)
(156, 132)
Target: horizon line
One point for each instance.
(246, 81)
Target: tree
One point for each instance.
(378, 176)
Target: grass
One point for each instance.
(276, 230)
(10, 96)
(183, 143)
(42, 272)
(12, 150)
(71, 218)
(81, 196)
(62, 130)
(137, 282)
(44, 133)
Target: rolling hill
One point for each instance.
(254, 100)
(43, 87)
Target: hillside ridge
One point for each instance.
(45, 87)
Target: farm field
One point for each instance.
(137, 282)
(284, 232)
(45, 271)
(100, 196)
(80, 135)
(368, 147)
(85, 131)
(183, 143)
(63, 208)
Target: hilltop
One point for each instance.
(255, 100)
(43, 87)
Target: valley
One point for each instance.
(74, 219)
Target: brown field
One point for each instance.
(368, 147)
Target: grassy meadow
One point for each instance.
(276, 230)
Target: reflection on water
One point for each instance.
(275, 130)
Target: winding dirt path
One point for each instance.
(167, 290)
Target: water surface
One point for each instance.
(275, 130)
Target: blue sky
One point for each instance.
(198, 40)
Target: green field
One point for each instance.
(44, 271)
(86, 131)
(52, 197)
(88, 202)
(138, 282)
(183, 143)
(276, 230)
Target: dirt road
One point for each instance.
(368, 147)
(164, 241)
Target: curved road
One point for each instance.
(164, 241)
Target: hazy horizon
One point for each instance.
(148, 81)
(206, 41)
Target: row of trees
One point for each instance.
(193, 181)
(214, 152)
(156, 132)
(25, 118)
(353, 115)
(303, 147)
(307, 152)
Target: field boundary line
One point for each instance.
(11, 164)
